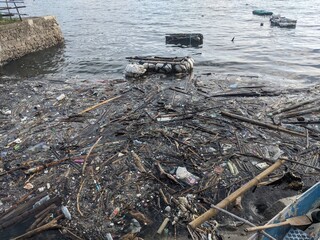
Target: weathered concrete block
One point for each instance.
(30, 35)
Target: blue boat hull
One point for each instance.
(301, 206)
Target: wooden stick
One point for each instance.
(99, 104)
(165, 199)
(85, 160)
(26, 213)
(294, 221)
(50, 225)
(21, 200)
(78, 197)
(304, 112)
(138, 162)
(163, 225)
(47, 165)
(257, 228)
(163, 172)
(44, 220)
(40, 216)
(285, 159)
(266, 125)
(294, 106)
(232, 197)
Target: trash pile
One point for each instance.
(124, 159)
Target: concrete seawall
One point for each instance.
(30, 35)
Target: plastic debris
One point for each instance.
(197, 136)
(233, 168)
(16, 147)
(66, 212)
(262, 165)
(39, 147)
(135, 226)
(114, 213)
(134, 70)
(61, 97)
(28, 186)
(5, 111)
(168, 209)
(41, 201)
(109, 236)
(3, 154)
(187, 177)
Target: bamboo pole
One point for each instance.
(266, 125)
(232, 197)
(99, 104)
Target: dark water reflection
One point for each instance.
(100, 34)
(47, 62)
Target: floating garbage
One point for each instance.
(135, 226)
(134, 70)
(277, 20)
(41, 201)
(66, 212)
(262, 12)
(109, 236)
(39, 147)
(187, 177)
(141, 65)
(28, 186)
(5, 111)
(61, 97)
(185, 39)
(150, 128)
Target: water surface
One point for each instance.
(100, 34)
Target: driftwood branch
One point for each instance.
(294, 106)
(266, 125)
(50, 225)
(303, 112)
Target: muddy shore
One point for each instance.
(123, 155)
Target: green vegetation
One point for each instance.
(8, 20)
(5, 20)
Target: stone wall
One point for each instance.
(30, 35)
